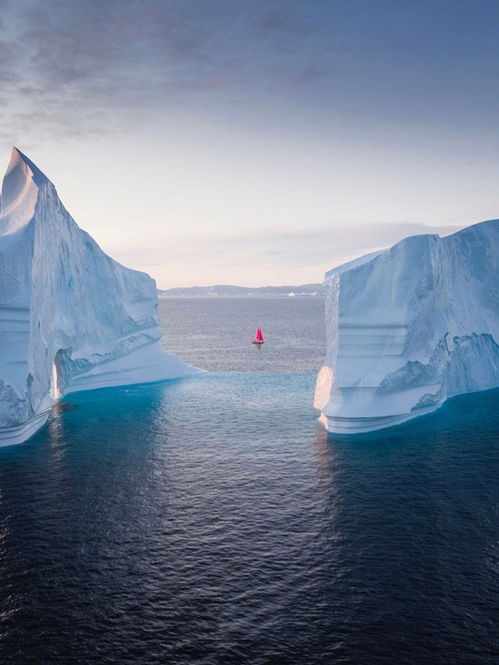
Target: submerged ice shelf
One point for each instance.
(409, 327)
(71, 318)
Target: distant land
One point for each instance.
(230, 290)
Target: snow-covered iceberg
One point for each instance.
(408, 327)
(71, 318)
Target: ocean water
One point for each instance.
(212, 521)
(215, 333)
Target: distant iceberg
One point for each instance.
(71, 318)
(408, 327)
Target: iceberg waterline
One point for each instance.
(409, 327)
(71, 318)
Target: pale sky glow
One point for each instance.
(255, 142)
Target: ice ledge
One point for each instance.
(340, 425)
(10, 436)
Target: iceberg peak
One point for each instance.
(20, 187)
(18, 157)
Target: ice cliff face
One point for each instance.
(71, 318)
(410, 326)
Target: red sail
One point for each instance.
(259, 335)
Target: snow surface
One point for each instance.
(71, 318)
(409, 327)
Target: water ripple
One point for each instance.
(212, 521)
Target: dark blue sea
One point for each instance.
(212, 521)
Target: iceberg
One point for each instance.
(408, 327)
(71, 318)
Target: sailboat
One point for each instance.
(258, 339)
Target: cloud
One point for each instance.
(259, 259)
(122, 59)
(70, 63)
(290, 249)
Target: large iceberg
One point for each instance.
(71, 318)
(408, 327)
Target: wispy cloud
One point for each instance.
(92, 65)
(314, 249)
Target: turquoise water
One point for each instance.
(211, 520)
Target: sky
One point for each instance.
(255, 142)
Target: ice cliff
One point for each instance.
(71, 318)
(409, 327)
